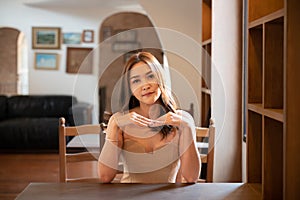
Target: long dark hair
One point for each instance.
(129, 101)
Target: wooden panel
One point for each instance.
(273, 74)
(254, 148)
(292, 104)
(205, 109)
(255, 57)
(273, 159)
(19, 170)
(83, 156)
(206, 20)
(9, 60)
(259, 8)
(232, 191)
(84, 129)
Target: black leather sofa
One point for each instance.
(30, 122)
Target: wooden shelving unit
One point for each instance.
(265, 120)
(206, 63)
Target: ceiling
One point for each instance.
(83, 3)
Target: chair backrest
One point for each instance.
(205, 144)
(77, 165)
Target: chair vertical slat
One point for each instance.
(62, 150)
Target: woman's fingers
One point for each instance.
(139, 119)
(170, 118)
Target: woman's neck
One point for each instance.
(150, 111)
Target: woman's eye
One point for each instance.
(134, 81)
(151, 76)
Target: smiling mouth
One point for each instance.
(147, 94)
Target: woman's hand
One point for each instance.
(179, 119)
(132, 118)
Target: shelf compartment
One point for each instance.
(276, 114)
(255, 62)
(206, 66)
(273, 74)
(267, 18)
(273, 159)
(259, 8)
(254, 148)
(205, 109)
(256, 107)
(206, 19)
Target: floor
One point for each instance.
(18, 170)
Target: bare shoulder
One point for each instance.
(187, 118)
(183, 113)
(113, 123)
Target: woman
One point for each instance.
(155, 140)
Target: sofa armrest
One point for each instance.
(80, 113)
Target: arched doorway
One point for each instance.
(13, 65)
(110, 71)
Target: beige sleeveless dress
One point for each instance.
(160, 166)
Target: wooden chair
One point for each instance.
(205, 144)
(81, 163)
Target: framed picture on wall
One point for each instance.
(126, 35)
(46, 37)
(88, 36)
(71, 38)
(79, 61)
(48, 61)
(106, 32)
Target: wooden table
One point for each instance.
(97, 191)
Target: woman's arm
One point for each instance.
(189, 159)
(189, 156)
(109, 157)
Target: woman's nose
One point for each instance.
(146, 86)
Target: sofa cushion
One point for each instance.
(29, 133)
(3, 100)
(39, 105)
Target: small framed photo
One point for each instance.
(88, 36)
(125, 46)
(47, 61)
(78, 60)
(46, 37)
(106, 32)
(126, 35)
(71, 38)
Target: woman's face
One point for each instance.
(144, 84)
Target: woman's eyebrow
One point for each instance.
(134, 76)
(137, 76)
(149, 72)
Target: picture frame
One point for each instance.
(46, 61)
(76, 62)
(125, 46)
(88, 36)
(106, 32)
(123, 35)
(72, 38)
(46, 37)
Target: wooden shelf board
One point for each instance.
(256, 107)
(265, 19)
(206, 42)
(276, 114)
(206, 91)
(257, 187)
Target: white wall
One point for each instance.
(180, 33)
(169, 14)
(16, 14)
(226, 59)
